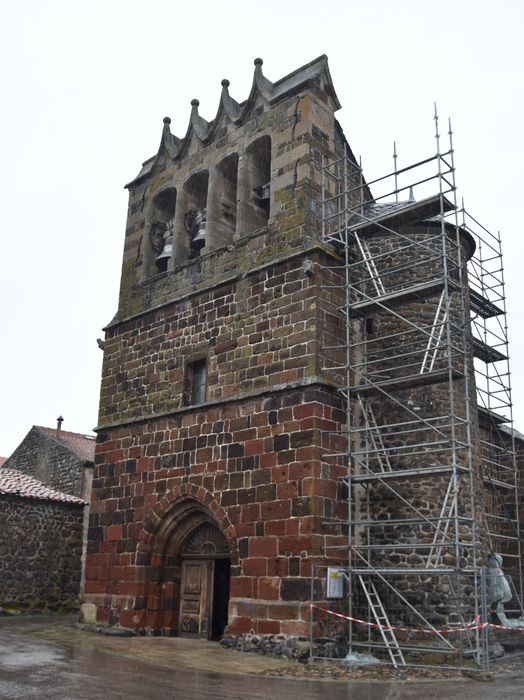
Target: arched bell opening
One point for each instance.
(195, 579)
(223, 218)
(195, 215)
(162, 218)
(257, 184)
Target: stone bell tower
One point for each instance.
(211, 490)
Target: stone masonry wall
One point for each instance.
(264, 329)
(49, 462)
(40, 554)
(256, 466)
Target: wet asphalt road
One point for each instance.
(33, 666)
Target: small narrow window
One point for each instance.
(196, 382)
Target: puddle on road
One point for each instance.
(22, 657)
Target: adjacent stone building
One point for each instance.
(40, 545)
(59, 458)
(216, 472)
(63, 461)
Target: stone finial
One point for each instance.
(200, 125)
(231, 106)
(264, 85)
(171, 143)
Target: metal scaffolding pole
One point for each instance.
(421, 307)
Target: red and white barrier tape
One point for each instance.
(475, 624)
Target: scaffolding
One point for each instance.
(421, 361)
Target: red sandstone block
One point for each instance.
(295, 627)
(309, 453)
(252, 609)
(268, 588)
(95, 587)
(96, 560)
(268, 626)
(275, 527)
(264, 431)
(241, 587)
(294, 544)
(292, 526)
(253, 447)
(234, 515)
(105, 446)
(128, 588)
(263, 546)
(251, 567)
(259, 419)
(305, 567)
(309, 423)
(111, 505)
(275, 510)
(240, 625)
(153, 619)
(278, 566)
(279, 474)
(244, 529)
(102, 614)
(287, 490)
(97, 506)
(309, 524)
(132, 618)
(319, 487)
(268, 460)
(115, 573)
(283, 611)
(301, 470)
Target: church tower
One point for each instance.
(211, 490)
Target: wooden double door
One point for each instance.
(204, 597)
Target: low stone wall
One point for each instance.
(290, 647)
(40, 555)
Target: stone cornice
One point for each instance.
(298, 384)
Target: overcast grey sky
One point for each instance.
(84, 87)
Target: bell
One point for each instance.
(264, 191)
(262, 195)
(199, 224)
(162, 259)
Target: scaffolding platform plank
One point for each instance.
(413, 380)
(403, 214)
(405, 570)
(486, 353)
(403, 473)
(417, 291)
(482, 306)
(498, 484)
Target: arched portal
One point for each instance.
(195, 579)
(204, 583)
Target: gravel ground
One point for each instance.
(322, 670)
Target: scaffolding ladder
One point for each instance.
(382, 621)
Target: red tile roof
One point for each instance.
(83, 446)
(17, 484)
